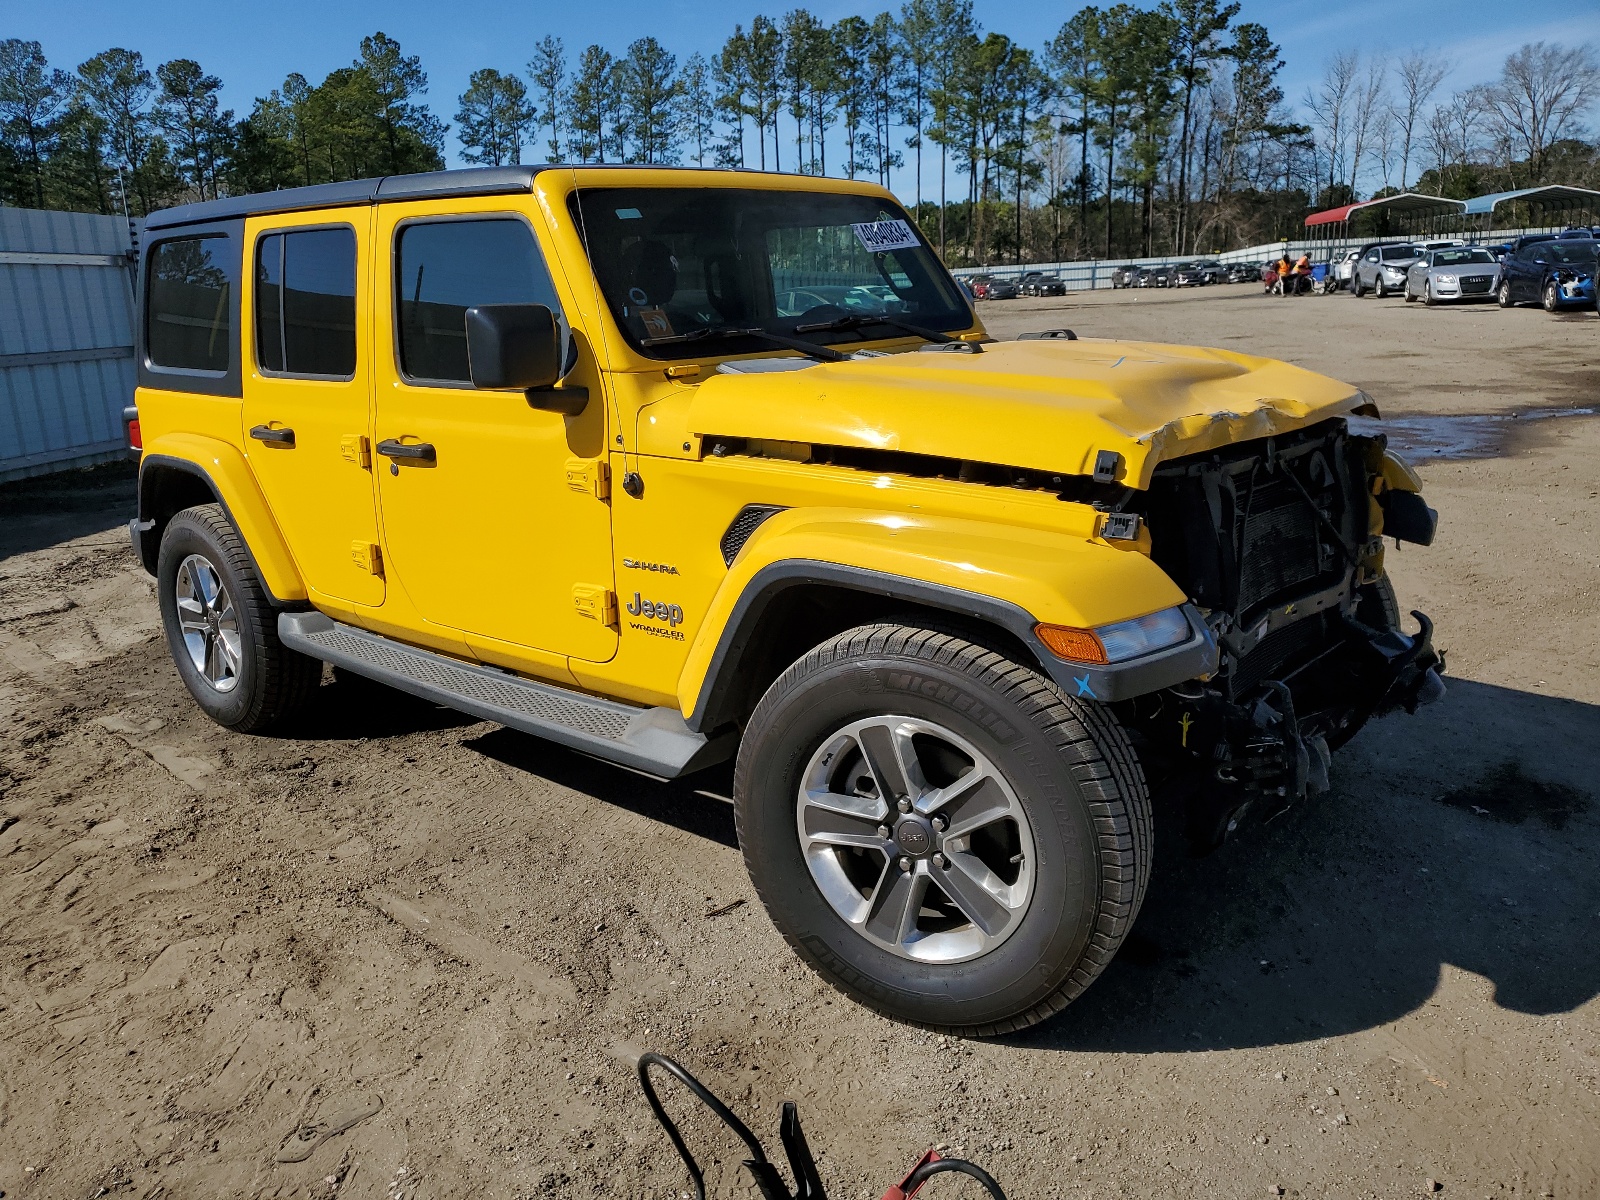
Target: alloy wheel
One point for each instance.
(209, 623)
(915, 839)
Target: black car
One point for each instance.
(1036, 283)
(1244, 273)
(1001, 289)
(1557, 272)
(1186, 274)
(1214, 271)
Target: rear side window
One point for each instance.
(305, 302)
(443, 268)
(188, 310)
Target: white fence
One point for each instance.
(1085, 275)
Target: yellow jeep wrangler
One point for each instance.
(669, 466)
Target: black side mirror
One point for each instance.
(519, 346)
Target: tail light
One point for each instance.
(130, 418)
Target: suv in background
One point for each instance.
(1381, 268)
(936, 615)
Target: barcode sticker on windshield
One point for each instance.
(878, 236)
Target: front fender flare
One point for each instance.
(1006, 576)
(226, 472)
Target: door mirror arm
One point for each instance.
(569, 401)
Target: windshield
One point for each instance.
(1399, 253)
(1456, 258)
(1571, 252)
(676, 261)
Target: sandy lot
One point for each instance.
(415, 952)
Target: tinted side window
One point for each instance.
(306, 302)
(188, 316)
(443, 268)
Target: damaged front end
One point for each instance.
(1280, 541)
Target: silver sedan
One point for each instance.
(1453, 273)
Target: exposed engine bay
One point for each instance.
(1280, 542)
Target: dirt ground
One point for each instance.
(415, 952)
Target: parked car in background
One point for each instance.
(1454, 273)
(1344, 268)
(1001, 289)
(1382, 268)
(1124, 277)
(1037, 283)
(1186, 274)
(1214, 271)
(1557, 272)
(1244, 272)
(979, 285)
(1499, 250)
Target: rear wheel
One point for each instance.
(221, 627)
(940, 832)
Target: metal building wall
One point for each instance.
(66, 340)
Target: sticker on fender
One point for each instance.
(878, 236)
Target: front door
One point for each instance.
(307, 396)
(499, 528)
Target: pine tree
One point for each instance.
(548, 70)
(587, 104)
(494, 117)
(697, 107)
(32, 100)
(190, 113)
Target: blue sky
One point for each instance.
(252, 47)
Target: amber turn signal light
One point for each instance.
(1075, 645)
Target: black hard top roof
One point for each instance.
(466, 181)
(473, 181)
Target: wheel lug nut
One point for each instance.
(940, 861)
(905, 863)
(940, 824)
(904, 805)
(883, 831)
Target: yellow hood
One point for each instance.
(1043, 405)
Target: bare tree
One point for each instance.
(1366, 111)
(1419, 75)
(1542, 93)
(1329, 103)
(1452, 134)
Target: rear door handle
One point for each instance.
(421, 452)
(273, 437)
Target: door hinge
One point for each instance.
(367, 557)
(589, 475)
(595, 602)
(356, 449)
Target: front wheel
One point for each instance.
(221, 627)
(1504, 294)
(1427, 294)
(1380, 289)
(940, 832)
(1552, 297)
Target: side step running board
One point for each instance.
(653, 740)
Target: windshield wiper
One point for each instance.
(810, 349)
(857, 320)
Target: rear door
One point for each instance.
(307, 395)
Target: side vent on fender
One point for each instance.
(746, 523)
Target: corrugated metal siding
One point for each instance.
(66, 340)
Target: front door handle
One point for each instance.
(274, 437)
(422, 452)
